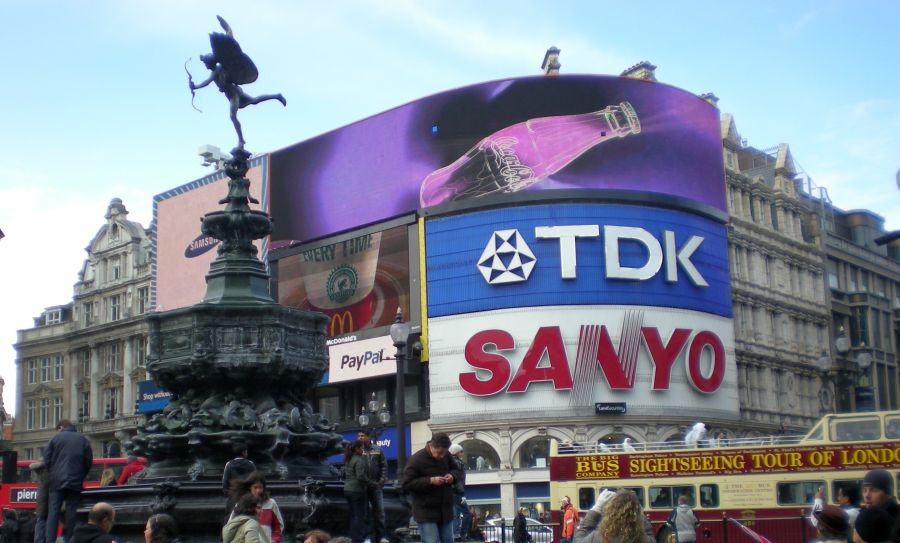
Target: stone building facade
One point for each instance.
(82, 360)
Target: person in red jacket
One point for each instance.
(133, 466)
(569, 522)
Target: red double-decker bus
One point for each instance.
(21, 493)
(766, 484)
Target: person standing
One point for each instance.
(42, 483)
(134, 466)
(520, 527)
(269, 517)
(243, 526)
(569, 522)
(831, 524)
(235, 469)
(462, 521)
(377, 468)
(428, 477)
(877, 494)
(685, 521)
(356, 485)
(69, 458)
(100, 522)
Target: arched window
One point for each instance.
(535, 453)
(478, 455)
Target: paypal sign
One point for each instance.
(576, 254)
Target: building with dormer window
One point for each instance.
(82, 360)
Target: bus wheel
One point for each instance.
(666, 535)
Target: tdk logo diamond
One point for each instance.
(506, 258)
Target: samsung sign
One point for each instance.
(576, 254)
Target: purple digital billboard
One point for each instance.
(502, 137)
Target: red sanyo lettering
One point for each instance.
(705, 373)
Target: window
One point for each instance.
(53, 317)
(666, 497)
(113, 360)
(111, 402)
(833, 275)
(115, 269)
(85, 411)
(709, 495)
(140, 346)
(29, 414)
(29, 454)
(535, 453)
(88, 310)
(84, 357)
(143, 300)
(851, 488)
(114, 309)
(45, 369)
(797, 493)
(58, 368)
(114, 232)
(32, 372)
(45, 412)
(57, 410)
(479, 455)
(586, 497)
(856, 429)
(774, 213)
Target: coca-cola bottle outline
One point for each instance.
(494, 163)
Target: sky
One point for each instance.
(95, 103)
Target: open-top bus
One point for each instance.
(767, 484)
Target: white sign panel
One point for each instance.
(361, 359)
(561, 360)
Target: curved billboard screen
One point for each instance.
(502, 137)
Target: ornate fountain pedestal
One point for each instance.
(241, 368)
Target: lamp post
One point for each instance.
(365, 416)
(400, 335)
(865, 397)
(826, 397)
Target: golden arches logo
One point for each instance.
(341, 323)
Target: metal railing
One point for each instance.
(740, 442)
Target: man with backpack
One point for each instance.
(684, 521)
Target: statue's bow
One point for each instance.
(191, 85)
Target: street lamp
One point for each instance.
(400, 335)
(373, 411)
(865, 397)
(826, 397)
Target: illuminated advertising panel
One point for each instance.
(558, 361)
(361, 359)
(498, 138)
(183, 253)
(576, 254)
(358, 281)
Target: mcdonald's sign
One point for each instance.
(341, 323)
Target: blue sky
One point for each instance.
(95, 102)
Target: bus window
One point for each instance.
(586, 497)
(852, 488)
(892, 427)
(709, 495)
(798, 493)
(636, 490)
(856, 429)
(815, 433)
(686, 491)
(660, 497)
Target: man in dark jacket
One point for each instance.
(428, 478)
(877, 494)
(42, 482)
(100, 522)
(69, 458)
(376, 467)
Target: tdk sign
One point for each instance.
(576, 254)
(508, 259)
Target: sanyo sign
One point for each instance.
(569, 357)
(507, 258)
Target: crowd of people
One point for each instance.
(433, 478)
